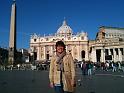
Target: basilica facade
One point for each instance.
(44, 47)
(108, 45)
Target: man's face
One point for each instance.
(60, 49)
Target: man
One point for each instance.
(62, 70)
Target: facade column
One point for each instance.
(38, 53)
(120, 55)
(103, 55)
(75, 52)
(51, 51)
(79, 52)
(114, 55)
(41, 52)
(93, 55)
(109, 52)
(44, 48)
(86, 53)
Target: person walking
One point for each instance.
(89, 67)
(62, 70)
(84, 68)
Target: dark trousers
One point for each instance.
(59, 89)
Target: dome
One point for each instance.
(64, 29)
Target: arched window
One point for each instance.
(35, 40)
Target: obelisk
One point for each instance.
(12, 38)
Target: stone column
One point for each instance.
(38, 53)
(102, 55)
(93, 55)
(79, 53)
(120, 54)
(114, 55)
(109, 52)
(42, 52)
(86, 53)
(44, 56)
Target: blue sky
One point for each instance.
(46, 16)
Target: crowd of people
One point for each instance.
(42, 66)
(88, 67)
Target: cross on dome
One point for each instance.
(64, 22)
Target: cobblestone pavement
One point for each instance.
(38, 82)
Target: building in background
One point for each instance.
(43, 47)
(109, 45)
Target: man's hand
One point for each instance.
(73, 84)
(51, 85)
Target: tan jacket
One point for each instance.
(68, 76)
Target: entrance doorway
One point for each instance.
(98, 55)
(47, 56)
(83, 54)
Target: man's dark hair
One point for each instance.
(60, 43)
